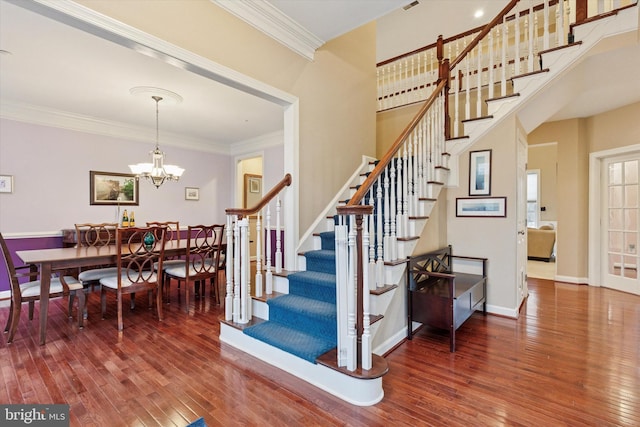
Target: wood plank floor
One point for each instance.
(571, 359)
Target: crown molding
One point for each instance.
(263, 16)
(36, 115)
(41, 116)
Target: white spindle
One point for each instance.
(516, 62)
(267, 251)
(278, 237)
(392, 214)
(258, 284)
(546, 27)
(401, 231)
(559, 23)
(379, 234)
(478, 50)
(387, 219)
(373, 278)
(405, 186)
(505, 64)
(531, 38)
(467, 83)
(490, 66)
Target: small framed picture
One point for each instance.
(191, 193)
(480, 173)
(481, 207)
(6, 183)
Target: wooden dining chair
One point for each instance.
(29, 291)
(204, 246)
(138, 250)
(172, 233)
(94, 235)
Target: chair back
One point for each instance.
(139, 248)
(204, 243)
(11, 270)
(102, 234)
(172, 228)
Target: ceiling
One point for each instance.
(53, 70)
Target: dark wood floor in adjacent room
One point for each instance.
(571, 359)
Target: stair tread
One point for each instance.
(296, 342)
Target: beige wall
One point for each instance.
(544, 158)
(577, 138)
(337, 111)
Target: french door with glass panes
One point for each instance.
(621, 216)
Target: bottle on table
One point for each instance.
(125, 219)
(132, 220)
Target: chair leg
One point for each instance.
(32, 304)
(103, 302)
(6, 328)
(120, 323)
(72, 296)
(81, 307)
(150, 295)
(133, 301)
(15, 317)
(159, 304)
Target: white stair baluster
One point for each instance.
(379, 234)
(387, 219)
(267, 251)
(373, 278)
(490, 66)
(400, 230)
(516, 62)
(545, 29)
(258, 278)
(392, 211)
(478, 51)
(505, 64)
(278, 237)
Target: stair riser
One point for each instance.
(313, 291)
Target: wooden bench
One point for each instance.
(441, 298)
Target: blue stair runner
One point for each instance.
(303, 322)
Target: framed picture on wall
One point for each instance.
(252, 190)
(481, 207)
(191, 193)
(6, 183)
(111, 188)
(480, 173)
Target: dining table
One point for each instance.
(57, 259)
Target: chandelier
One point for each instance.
(157, 172)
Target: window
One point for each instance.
(533, 198)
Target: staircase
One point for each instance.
(317, 321)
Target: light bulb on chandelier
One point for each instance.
(157, 172)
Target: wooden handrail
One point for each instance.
(484, 32)
(242, 212)
(375, 173)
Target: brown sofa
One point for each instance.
(540, 243)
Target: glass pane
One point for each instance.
(615, 197)
(630, 240)
(631, 172)
(615, 219)
(615, 241)
(615, 173)
(630, 196)
(631, 220)
(630, 267)
(532, 186)
(615, 264)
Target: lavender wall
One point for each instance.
(51, 179)
(24, 244)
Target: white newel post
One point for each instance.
(228, 301)
(245, 296)
(352, 336)
(342, 254)
(236, 272)
(366, 333)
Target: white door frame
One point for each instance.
(596, 160)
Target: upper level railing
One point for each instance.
(238, 258)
